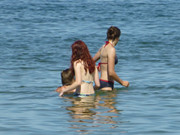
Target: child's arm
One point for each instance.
(59, 89)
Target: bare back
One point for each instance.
(86, 88)
(104, 62)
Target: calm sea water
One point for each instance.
(35, 40)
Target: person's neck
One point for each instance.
(112, 43)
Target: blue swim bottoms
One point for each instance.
(105, 83)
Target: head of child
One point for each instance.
(67, 77)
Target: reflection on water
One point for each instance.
(94, 111)
(81, 108)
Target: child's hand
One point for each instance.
(125, 83)
(62, 91)
(58, 89)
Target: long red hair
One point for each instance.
(81, 52)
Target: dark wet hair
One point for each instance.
(113, 33)
(67, 77)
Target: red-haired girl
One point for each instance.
(84, 70)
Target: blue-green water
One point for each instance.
(35, 40)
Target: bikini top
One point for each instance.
(87, 81)
(116, 59)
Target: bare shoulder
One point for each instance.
(111, 51)
(101, 48)
(78, 63)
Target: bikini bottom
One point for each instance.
(105, 83)
(83, 95)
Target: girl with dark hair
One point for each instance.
(84, 70)
(108, 58)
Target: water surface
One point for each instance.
(35, 40)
